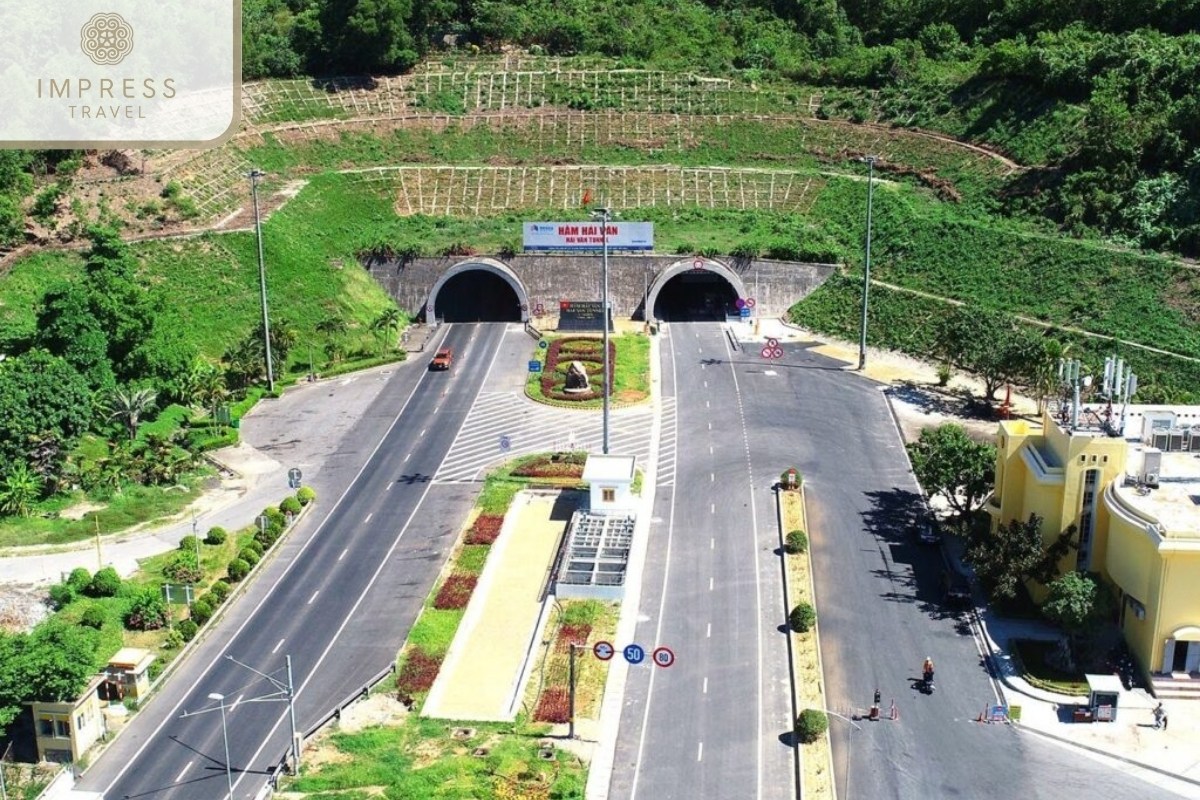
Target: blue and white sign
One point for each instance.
(588, 235)
(634, 653)
(505, 443)
(543, 344)
(535, 366)
(744, 313)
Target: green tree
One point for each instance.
(386, 324)
(128, 407)
(948, 462)
(362, 36)
(1014, 554)
(147, 609)
(68, 328)
(206, 387)
(19, 490)
(58, 661)
(987, 342)
(1080, 604)
(40, 395)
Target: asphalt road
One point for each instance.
(338, 598)
(710, 725)
(879, 606)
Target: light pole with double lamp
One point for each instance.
(862, 340)
(604, 214)
(254, 175)
(220, 698)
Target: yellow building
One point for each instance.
(1130, 483)
(66, 730)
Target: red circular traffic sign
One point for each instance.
(663, 656)
(750, 302)
(766, 352)
(772, 343)
(603, 650)
(777, 352)
(698, 263)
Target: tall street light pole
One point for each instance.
(604, 214)
(254, 175)
(220, 698)
(862, 340)
(284, 692)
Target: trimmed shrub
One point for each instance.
(237, 570)
(188, 544)
(202, 611)
(455, 592)
(305, 495)
(216, 535)
(93, 617)
(256, 546)
(62, 595)
(274, 515)
(173, 639)
(105, 583)
(248, 555)
(811, 725)
(220, 590)
(147, 609)
(269, 536)
(290, 504)
(783, 478)
(187, 629)
(797, 542)
(802, 618)
(79, 580)
(182, 567)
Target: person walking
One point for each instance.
(1160, 717)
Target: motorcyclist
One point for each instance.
(927, 671)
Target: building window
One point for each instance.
(62, 728)
(46, 726)
(608, 494)
(1104, 459)
(1087, 519)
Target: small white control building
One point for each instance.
(610, 479)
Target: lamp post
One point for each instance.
(862, 340)
(220, 698)
(571, 683)
(285, 692)
(254, 175)
(604, 214)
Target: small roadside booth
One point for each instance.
(1103, 693)
(128, 674)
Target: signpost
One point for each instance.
(603, 650)
(772, 349)
(664, 656)
(505, 443)
(535, 366)
(294, 476)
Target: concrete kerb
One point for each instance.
(601, 768)
(205, 630)
(787, 604)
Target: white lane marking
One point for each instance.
(712, 477)
(710, 584)
(706, 405)
(700, 752)
(435, 409)
(407, 457)
(710, 426)
(275, 649)
(422, 433)
(706, 384)
(374, 578)
(708, 633)
(220, 654)
(712, 508)
(706, 685)
(712, 544)
(186, 767)
(368, 519)
(236, 702)
(343, 555)
(389, 486)
(314, 597)
(710, 449)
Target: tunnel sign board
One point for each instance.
(582, 315)
(588, 236)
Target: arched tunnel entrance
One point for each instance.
(478, 292)
(685, 293)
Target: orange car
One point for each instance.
(443, 359)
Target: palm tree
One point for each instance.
(387, 321)
(20, 490)
(206, 386)
(128, 407)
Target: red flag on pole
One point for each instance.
(587, 196)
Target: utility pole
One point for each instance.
(254, 175)
(862, 340)
(604, 215)
(571, 683)
(99, 557)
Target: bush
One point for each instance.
(418, 673)
(147, 610)
(93, 617)
(202, 611)
(290, 505)
(274, 514)
(485, 530)
(188, 544)
(79, 580)
(256, 546)
(173, 639)
(802, 618)
(305, 495)
(248, 555)
(220, 590)
(797, 542)
(237, 570)
(187, 629)
(105, 583)
(62, 595)
(183, 568)
(210, 599)
(268, 537)
(216, 535)
(811, 725)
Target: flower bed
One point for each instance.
(418, 673)
(554, 706)
(485, 530)
(455, 592)
(572, 634)
(568, 465)
(588, 352)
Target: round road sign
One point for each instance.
(777, 352)
(740, 303)
(767, 352)
(772, 343)
(663, 657)
(603, 650)
(634, 653)
(750, 302)
(505, 443)
(543, 344)
(698, 263)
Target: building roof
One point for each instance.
(1175, 502)
(1104, 683)
(133, 658)
(609, 468)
